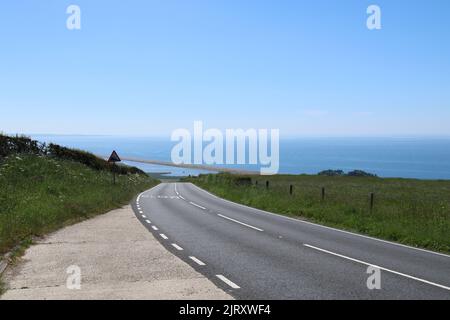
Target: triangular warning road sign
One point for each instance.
(114, 157)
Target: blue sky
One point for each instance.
(149, 67)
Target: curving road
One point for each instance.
(254, 254)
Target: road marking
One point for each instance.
(198, 206)
(381, 268)
(177, 247)
(182, 197)
(228, 282)
(143, 216)
(140, 211)
(260, 211)
(163, 236)
(197, 261)
(155, 228)
(148, 221)
(244, 224)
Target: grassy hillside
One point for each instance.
(40, 193)
(414, 212)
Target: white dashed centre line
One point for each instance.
(177, 247)
(244, 224)
(198, 206)
(197, 261)
(163, 236)
(228, 282)
(155, 228)
(381, 268)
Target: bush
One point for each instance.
(24, 145)
(331, 173)
(360, 173)
(340, 173)
(19, 144)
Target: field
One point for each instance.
(39, 194)
(413, 212)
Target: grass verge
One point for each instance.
(413, 212)
(39, 194)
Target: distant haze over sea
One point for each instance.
(406, 157)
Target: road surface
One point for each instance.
(253, 254)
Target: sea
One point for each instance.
(402, 157)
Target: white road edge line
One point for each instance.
(381, 268)
(148, 221)
(228, 282)
(198, 206)
(260, 211)
(182, 197)
(177, 247)
(163, 236)
(155, 228)
(200, 263)
(244, 224)
(144, 216)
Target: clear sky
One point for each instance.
(148, 67)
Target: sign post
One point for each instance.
(113, 158)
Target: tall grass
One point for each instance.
(414, 212)
(39, 194)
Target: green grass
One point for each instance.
(414, 212)
(41, 194)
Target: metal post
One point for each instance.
(267, 184)
(323, 193)
(291, 189)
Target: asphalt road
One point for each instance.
(253, 254)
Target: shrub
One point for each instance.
(24, 145)
(331, 173)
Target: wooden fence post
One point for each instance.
(372, 200)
